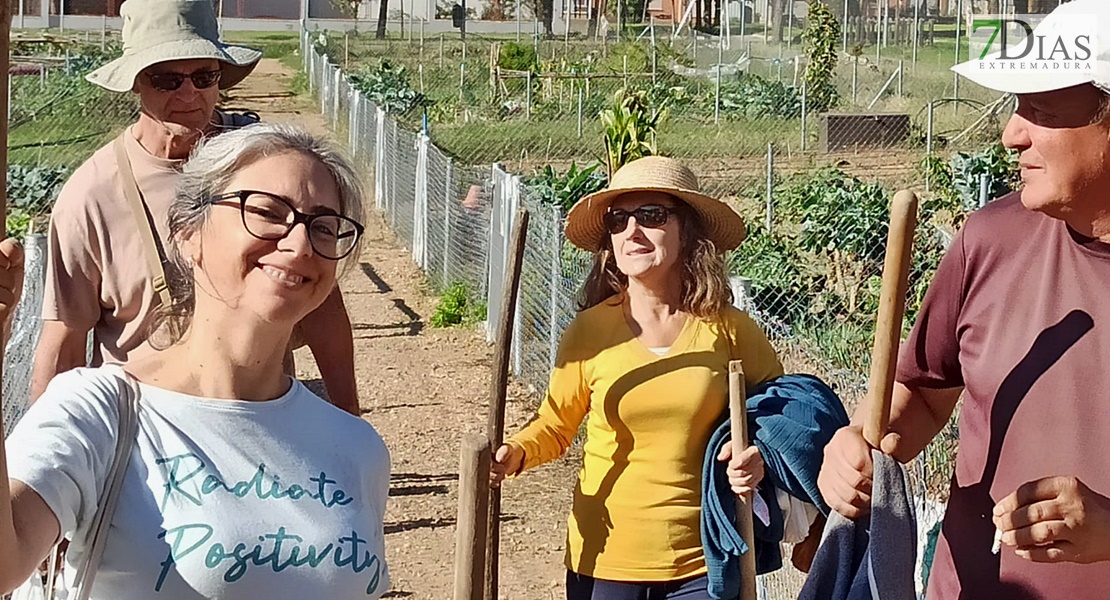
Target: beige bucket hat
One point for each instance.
(585, 222)
(156, 31)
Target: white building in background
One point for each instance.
(288, 15)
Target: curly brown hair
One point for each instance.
(705, 288)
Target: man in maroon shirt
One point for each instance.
(1017, 320)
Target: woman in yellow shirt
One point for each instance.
(645, 364)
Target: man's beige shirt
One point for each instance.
(96, 274)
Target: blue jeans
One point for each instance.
(584, 587)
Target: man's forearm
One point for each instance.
(916, 417)
(327, 332)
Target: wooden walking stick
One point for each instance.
(5, 64)
(498, 392)
(470, 526)
(892, 307)
(738, 415)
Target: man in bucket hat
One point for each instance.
(1017, 322)
(105, 270)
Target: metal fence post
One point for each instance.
(380, 175)
(338, 76)
(717, 84)
(447, 223)
(518, 316)
(770, 185)
(556, 284)
(805, 110)
(855, 79)
(352, 130)
(579, 111)
(420, 203)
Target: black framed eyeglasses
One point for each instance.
(169, 82)
(270, 217)
(652, 216)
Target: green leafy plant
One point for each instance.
(457, 307)
(821, 37)
(753, 96)
(956, 182)
(31, 193)
(517, 56)
(998, 164)
(563, 190)
(388, 86)
(630, 127)
(818, 274)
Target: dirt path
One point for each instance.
(422, 388)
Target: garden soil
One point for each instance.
(422, 389)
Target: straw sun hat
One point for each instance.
(156, 31)
(586, 229)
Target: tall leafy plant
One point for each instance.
(821, 36)
(630, 128)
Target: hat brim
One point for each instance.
(585, 225)
(236, 62)
(1019, 82)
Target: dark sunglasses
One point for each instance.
(652, 216)
(169, 82)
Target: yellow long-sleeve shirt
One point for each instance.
(648, 419)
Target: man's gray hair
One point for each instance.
(211, 167)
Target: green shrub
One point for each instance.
(516, 56)
(456, 307)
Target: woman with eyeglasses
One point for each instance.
(241, 483)
(644, 363)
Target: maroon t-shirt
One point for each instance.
(1019, 315)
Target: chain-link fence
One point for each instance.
(26, 327)
(457, 222)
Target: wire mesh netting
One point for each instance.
(26, 326)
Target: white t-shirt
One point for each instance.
(221, 499)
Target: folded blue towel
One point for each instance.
(790, 419)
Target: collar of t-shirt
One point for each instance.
(148, 160)
(1092, 244)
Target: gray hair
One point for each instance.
(210, 169)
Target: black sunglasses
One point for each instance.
(169, 82)
(270, 217)
(652, 216)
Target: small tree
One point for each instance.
(821, 36)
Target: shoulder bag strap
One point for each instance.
(142, 220)
(106, 507)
